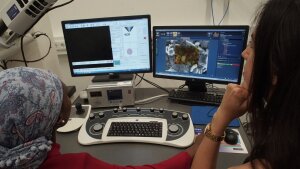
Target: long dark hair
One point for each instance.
(275, 86)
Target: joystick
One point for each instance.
(79, 109)
(79, 114)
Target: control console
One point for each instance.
(147, 125)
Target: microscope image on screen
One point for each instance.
(187, 56)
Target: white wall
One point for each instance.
(163, 12)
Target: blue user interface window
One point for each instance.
(206, 54)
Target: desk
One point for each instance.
(140, 153)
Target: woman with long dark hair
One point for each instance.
(270, 93)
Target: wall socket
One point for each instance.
(60, 45)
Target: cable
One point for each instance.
(181, 86)
(228, 3)
(4, 66)
(24, 59)
(153, 84)
(140, 79)
(66, 3)
(22, 49)
(212, 12)
(151, 99)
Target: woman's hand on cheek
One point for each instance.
(234, 103)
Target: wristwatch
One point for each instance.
(208, 133)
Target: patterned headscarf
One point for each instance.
(30, 103)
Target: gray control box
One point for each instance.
(111, 94)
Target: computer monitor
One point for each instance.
(199, 54)
(111, 49)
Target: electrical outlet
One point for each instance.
(60, 45)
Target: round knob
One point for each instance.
(101, 114)
(92, 116)
(173, 128)
(97, 127)
(152, 109)
(115, 110)
(174, 114)
(79, 109)
(138, 109)
(124, 109)
(161, 110)
(185, 117)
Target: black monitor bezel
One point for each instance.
(245, 27)
(131, 17)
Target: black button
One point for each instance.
(20, 3)
(36, 4)
(28, 12)
(43, 2)
(32, 8)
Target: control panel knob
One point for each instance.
(124, 109)
(97, 127)
(79, 109)
(152, 109)
(138, 109)
(92, 116)
(115, 110)
(101, 114)
(185, 117)
(161, 110)
(174, 114)
(173, 128)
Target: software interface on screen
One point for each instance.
(199, 53)
(98, 46)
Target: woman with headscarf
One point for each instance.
(33, 104)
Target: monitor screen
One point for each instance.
(199, 53)
(114, 45)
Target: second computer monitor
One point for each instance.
(199, 53)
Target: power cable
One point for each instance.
(212, 12)
(23, 54)
(151, 99)
(4, 65)
(22, 50)
(153, 84)
(141, 79)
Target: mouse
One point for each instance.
(231, 136)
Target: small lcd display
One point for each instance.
(114, 94)
(13, 12)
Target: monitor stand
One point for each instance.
(197, 86)
(112, 77)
